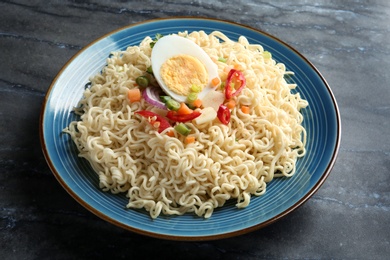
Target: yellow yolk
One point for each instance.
(180, 72)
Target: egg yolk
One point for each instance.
(180, 72)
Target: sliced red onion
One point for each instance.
(152, 96)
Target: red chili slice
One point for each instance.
(235, 80)
(162, 123)
(223, 114)
(174, 116)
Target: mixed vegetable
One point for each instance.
(215, 104)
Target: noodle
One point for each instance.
(165, 176)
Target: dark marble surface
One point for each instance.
(348, 218)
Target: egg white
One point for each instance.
(172, 45)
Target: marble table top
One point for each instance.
(348, 218)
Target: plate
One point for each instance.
(321, 120)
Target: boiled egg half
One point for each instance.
(179, 63)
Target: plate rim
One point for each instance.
(113, 221)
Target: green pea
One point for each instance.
(142, 81)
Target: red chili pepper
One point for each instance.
(174, 116)
(235, 80)
(223, 114)
(154, 118)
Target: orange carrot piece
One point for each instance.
(171, 133)
(197, 103)
(189, 139)
(184, 109)
(245, 109)
(237, 66)
(231, 104)
(134, 95)
(215, 81)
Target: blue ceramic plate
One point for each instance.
(321, 120)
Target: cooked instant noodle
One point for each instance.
(163, 174)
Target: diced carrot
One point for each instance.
(231, 104)
(184, 109)
(171, 133)
(245, 109)
(215, 81)
(197, 103)
(134, 95)
(237, 66)
(189, 139)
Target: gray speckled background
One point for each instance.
(348, 218)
